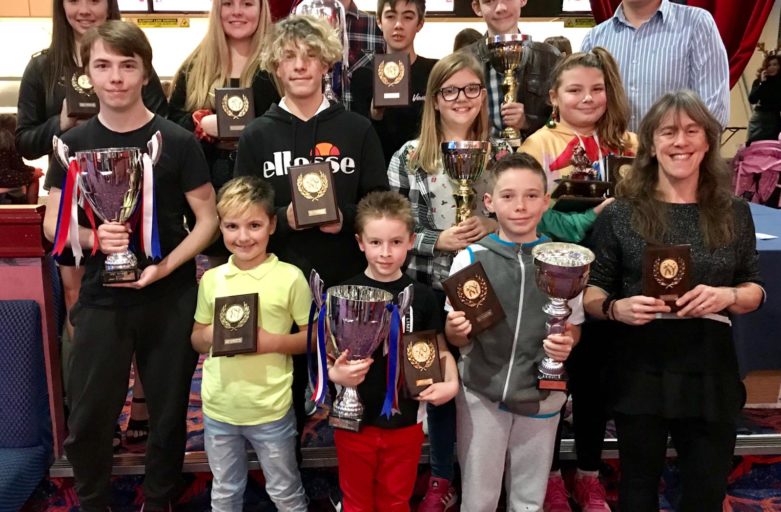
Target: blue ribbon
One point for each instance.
(321, 346)
(312, 372)
(393, 361)
(156, 253)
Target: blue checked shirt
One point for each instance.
(679, 47)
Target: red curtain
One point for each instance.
(740, 25)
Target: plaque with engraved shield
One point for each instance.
(392, 80)
(667, 272)
(235, 108)
(80, 97)
(470, 291)
(235, 325)
(313, 195)
(420, 356)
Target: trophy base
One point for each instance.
(351, 424)
(120, 276)
(513, 142)
(551, 383)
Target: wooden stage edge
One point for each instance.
(195, 462)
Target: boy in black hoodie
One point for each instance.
(306, 128)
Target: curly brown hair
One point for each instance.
(714, 194)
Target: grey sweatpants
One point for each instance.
(494, 442)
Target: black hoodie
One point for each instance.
(278, 140)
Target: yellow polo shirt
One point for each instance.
(251, 389)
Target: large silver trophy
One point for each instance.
(464, 162)
(505, 52)
(110, 181)
(331, 11)
(359, 320)
(562, 273)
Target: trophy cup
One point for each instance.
(464, 162)
(332, 12)
(562, 273)
(505, 52)
(110, 181)
(359, 319)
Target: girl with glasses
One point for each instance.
(455, 109)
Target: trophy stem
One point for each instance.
(347, 411)
(465, 197)
(551, 374)
(509, 88)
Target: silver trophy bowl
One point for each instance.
(505, 54)
(562, 271)
(358, 321)
(464, 162)
(110, 180)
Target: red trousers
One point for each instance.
(378, 467)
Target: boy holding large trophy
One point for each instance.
(116, 315)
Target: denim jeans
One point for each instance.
(274, 443)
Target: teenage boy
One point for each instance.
(152, 316)
(248, 397)
(400, 21)
(506, 426)
(531, 109)
(304, 127)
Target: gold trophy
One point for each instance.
(464, 162)
(505, 52)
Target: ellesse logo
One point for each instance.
(322, 152)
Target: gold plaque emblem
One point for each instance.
(421, 353)
(669, 272)
(473, 292)
(391, 72)
(81, 83)
(234, 316)
(235, 106)
(312, 185)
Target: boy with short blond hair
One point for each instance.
(501, 415)
(378, 465)
(248, 397)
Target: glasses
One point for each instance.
(471, 91)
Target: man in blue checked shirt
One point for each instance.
(661, 46)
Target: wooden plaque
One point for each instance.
(579, 195)
(313, 195)
(420, 356)
(235, 325)
(392, 75)
(82, 101)
(470, 291)
(235, 107)
(667, 272)
(616, 168)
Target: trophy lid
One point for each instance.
(562, 254)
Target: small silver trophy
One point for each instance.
(505, 52)
(359, 320)
(332, 12)
(562, 273)
(110, 180)
(464, 162)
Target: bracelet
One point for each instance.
(610, 313)
(734, 295)
(606, 305)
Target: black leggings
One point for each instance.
(704, 458)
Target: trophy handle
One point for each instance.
(155, 147)
(61, 151)
(405, 299)
(316, 285)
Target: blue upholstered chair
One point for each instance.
(25, 427)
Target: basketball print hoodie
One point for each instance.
(278, 140)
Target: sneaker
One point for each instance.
(590, 494)
(556, 496)
(440, 496)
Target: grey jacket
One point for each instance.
(501, 362)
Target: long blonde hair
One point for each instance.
(208, 66)
(428, 155)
